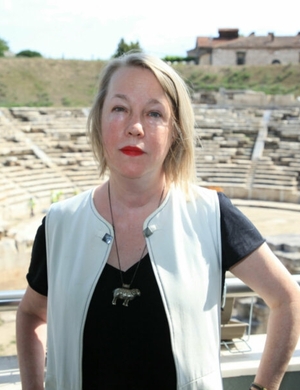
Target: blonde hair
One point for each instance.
(179, 164)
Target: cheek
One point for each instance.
(113, 126)
(164, 143)
(109, 130)
(107, 140)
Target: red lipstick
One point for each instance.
(132, 151)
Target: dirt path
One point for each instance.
(272, 222)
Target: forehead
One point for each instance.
(134, 78)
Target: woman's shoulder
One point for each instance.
(197, 199)
(194, 191)
(204, 195)
(73, 203)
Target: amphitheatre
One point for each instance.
(250, 152)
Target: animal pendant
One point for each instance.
(125, 293)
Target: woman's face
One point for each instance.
(136, 124)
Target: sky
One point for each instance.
(92, 29)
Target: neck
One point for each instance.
(136, 194)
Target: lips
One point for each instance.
(132, 151)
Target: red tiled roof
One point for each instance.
(261, 42)
(209, 42)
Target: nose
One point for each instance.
(135, 127)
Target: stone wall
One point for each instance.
(223, 57)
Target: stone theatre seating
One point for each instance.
(45, 150)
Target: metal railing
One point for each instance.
(237, 289)
(10, 299)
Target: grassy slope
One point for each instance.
(271, 79)
(45, 82)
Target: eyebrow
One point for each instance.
(124, 97)
(120, 96)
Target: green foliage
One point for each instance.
(2, 91)
(173, 59)
(66, 102)
(203, 81)
(281, 77)
(124, 47)
(236, 79)
(276, 89)
(209, 78)
(42, 100)
(3, 47)
(28, 53)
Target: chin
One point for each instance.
(132, 175)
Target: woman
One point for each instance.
(128, 276)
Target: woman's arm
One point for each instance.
(31, 339)
(266, 275)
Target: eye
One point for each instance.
(118, 109)
(155, 114)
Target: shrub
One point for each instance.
(177, 59)
(3, 47)
(28, 53)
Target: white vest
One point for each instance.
(184, 245)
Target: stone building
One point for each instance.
(231, 49)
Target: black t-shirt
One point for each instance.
(130, 347)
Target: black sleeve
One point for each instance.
(37, 273)
(239, 236)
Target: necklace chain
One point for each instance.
(116, 242)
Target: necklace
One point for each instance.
(126, 293)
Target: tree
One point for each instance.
(124, 47)
(3, 47)
(28, 53)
